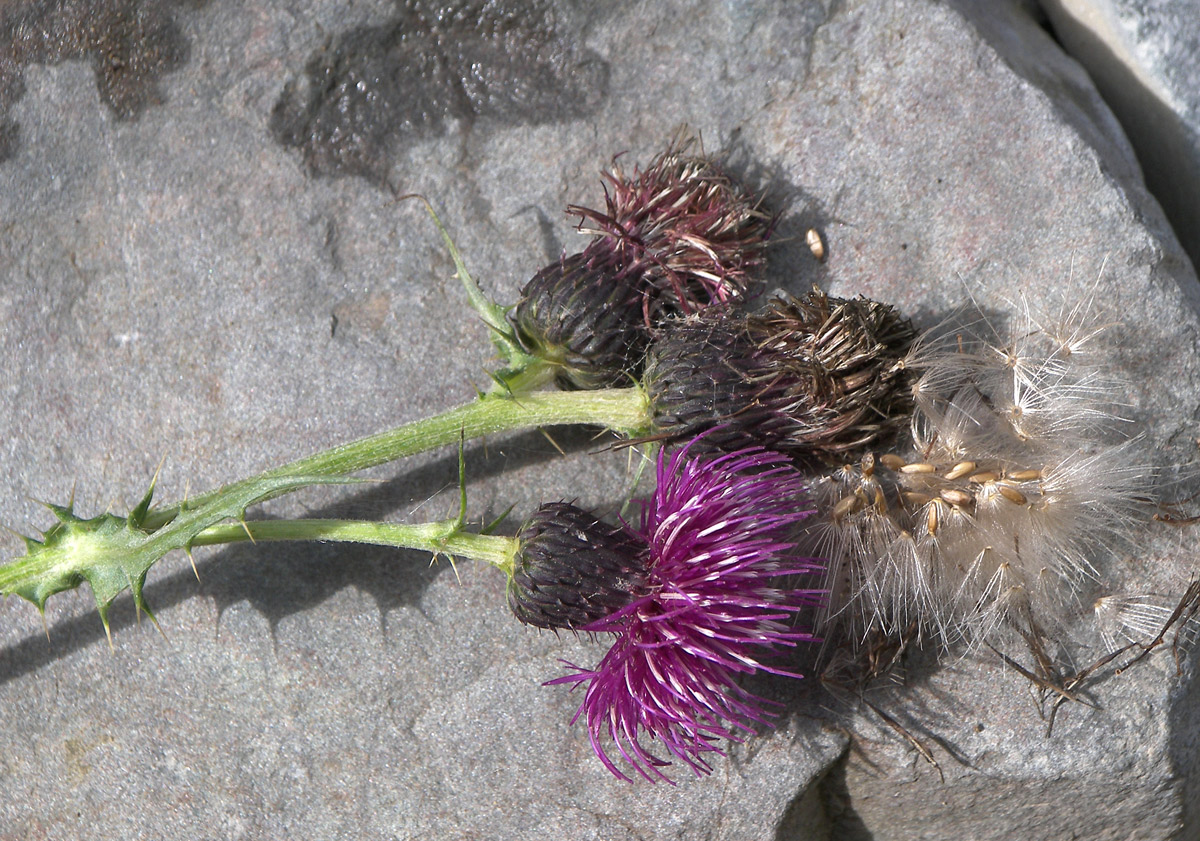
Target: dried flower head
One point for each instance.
(715, 599)
(699, 236)
(1012, 486)
(673, 239)
(813, 377)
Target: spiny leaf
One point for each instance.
(504, 338)
(112, 554)
(494, 524)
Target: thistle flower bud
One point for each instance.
(814, 376)
(584, 315)
(573, 569)
(673, 239)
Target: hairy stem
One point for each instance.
(445, 538)
(624, 410)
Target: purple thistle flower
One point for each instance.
(713, 602)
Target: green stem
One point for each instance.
(444, 538)
(623, 410)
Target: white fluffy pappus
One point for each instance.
(1019, 478)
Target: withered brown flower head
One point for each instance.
(698, 235)
(816, 377)
(673, 239)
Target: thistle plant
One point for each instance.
(641, 331)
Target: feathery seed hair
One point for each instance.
(1009, 491)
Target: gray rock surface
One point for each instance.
(1145, 60)
(203, 285)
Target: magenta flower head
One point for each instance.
(717, 596)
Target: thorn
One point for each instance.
(107, 631)
(138, 515)
(13, 531)
(157, 627)
(454, 567)
(187, 550)
(462, 480)
(140, 606)
(553, 443)
(62, 514)
(245, 528)
(45, 625)
(71, 501)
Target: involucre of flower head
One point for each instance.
(1014, 483)
(584, 315)
(715, 600)
(573, 569)
(673, 239)
(813, 377)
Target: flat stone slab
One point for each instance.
(220, 279)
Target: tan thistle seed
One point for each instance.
(918, 468)
(868, 465)
(815, 245)
(983, 477)
(1025, 475)
(1012, 494)
(881, 506)
(956, 497)
(915, 499)
(959, 470)
(933, 517)
(892, 461)
(847, 506)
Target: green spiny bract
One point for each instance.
(114, 553)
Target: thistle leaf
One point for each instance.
(112, 554)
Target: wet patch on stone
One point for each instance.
(371, 89)
(130, 45)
